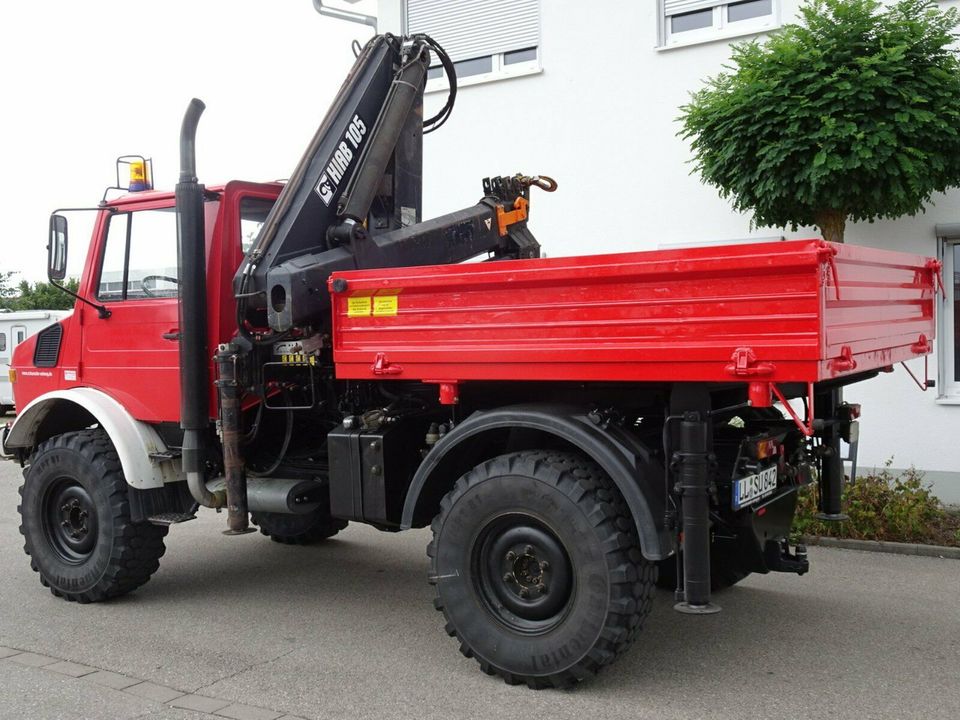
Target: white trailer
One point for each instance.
(15, 327)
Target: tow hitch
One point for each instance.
(779, 558)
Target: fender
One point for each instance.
(629, 464)
(134, 441)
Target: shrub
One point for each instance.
(884, 506)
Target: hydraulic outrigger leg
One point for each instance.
(692, 461)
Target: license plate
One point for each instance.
(748, 490)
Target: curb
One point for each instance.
(894, 548)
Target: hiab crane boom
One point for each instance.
(314, 353)
(354, 200)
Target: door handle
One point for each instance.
(173, 335)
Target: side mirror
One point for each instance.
(57, 248)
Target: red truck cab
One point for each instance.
(131, 270)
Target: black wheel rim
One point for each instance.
(522, 573)
(70, 520)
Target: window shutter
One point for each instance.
(678, 7)
(476, 28)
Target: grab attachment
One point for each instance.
(544, 182)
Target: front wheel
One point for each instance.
(538, 569)
(76, 520)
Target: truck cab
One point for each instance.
(130, 351)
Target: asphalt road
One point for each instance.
(347, 629)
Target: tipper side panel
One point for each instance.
(648, 316)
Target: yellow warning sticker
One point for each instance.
(384, 305)
(359, 306)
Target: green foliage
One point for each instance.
(853, 114)
(36, 296)
(883, 506)
(6, 291)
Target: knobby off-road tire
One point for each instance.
(304, 529)
(538, 569)
(75, 519)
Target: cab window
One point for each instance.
(253, 213)
(140, 257)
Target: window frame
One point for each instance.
(241, 199)
(3, 342)
(948, 385)
(125, 279)
(103, 257)
(721, 29)
(499, 71)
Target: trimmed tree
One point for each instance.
(853, 114)
(37, 296)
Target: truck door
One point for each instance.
(133, 355)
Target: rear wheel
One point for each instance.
(538, 569)
(304, 529)
(76, 520)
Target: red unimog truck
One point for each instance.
(313, 353)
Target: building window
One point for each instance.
(486, 39)
(686, 22)
(949, 359)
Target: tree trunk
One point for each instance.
(831, 224)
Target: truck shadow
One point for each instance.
(373, 587)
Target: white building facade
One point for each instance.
(589, 93)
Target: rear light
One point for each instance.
(766, 448)
(854, 410)
(12, 374)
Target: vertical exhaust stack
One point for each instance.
(194, 375)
